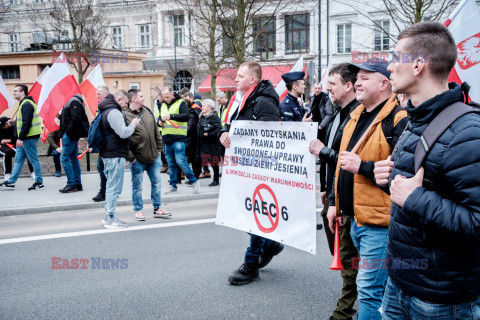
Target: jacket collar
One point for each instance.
(429, 109)
(386, 110)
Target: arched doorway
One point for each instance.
(183, 79)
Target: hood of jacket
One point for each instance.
(108, 102)
(266, 89)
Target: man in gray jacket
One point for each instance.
(115, 151)
(144, 155)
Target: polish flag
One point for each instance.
(324, 81)
(6, 100)
(464, 24)
(58, 87)
(89, 88)
(281, 87)
(37, 86)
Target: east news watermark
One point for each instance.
(94, 57)
(392, 57)
(93, 263)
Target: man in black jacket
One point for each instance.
(251, 90)
(322, 110)
(27, 129)
(434, 233)
(341, 87)
(191, 147)
(73, 126)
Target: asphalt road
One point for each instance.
(177, 269)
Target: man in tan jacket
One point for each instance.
(369, 136)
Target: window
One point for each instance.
(135, 85)
(117, 37)
(381, 41)
(344, 38)
(264, 45)
(297, 33)
(226, 41)
(178, 29)
(145, 36)
(13, 42)
(10, 72)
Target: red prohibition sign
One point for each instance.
(277, 216)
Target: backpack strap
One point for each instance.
(437, 127)
(388, 125)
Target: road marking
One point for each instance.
(102, 231)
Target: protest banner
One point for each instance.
(268, 182)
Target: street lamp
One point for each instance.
(172, 20)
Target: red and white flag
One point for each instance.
(464, 24)
(6, 100)
(281, 87)
(36, 88)
(324, 80)
(89, 88)
(58, 87)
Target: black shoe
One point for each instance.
(319, 226)
(245, 274)
(214, 184)
(36, 186)
(69, 188)
(99, 197)
(189, 183)
(79, 187)
(269, 253)
(7, 186)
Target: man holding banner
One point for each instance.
(255, 100)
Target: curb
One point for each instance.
(93, 205)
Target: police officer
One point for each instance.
(290, 106)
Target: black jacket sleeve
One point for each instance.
(182, 115)
(27, 117)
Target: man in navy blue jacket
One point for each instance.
(434, 234)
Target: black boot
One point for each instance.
(269, 253)
(99, 197)
(245, 274)
(69, 188)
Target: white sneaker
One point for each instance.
(114, 223)
(33, 175)
(139, 216)
(7, 176)
(196, 187)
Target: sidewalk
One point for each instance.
(22, 201)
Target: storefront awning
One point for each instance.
(226, 77)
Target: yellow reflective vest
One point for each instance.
(36, 127)
(168, 128)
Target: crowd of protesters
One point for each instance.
(408, 223)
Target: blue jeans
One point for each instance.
(103, 179)
(29, 150)
(371, 243)
(256, 249)
(175, 154)
(398, 306)
(153, 171)
(69, 160)
(56, 160)
(114, 169)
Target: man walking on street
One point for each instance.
(144, 155)
(250, 87)
(115, 151)
(341, 85)
(434, 233)
(174, 118)
(28, 129)
(102, 92)
(73, 126)
(366, 140)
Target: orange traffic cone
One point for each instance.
(336, 263)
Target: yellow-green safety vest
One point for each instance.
(36, 127)
(223, 114)
(168, 128)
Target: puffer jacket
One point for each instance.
(371, 205)
(209, 144)
(434, 240)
